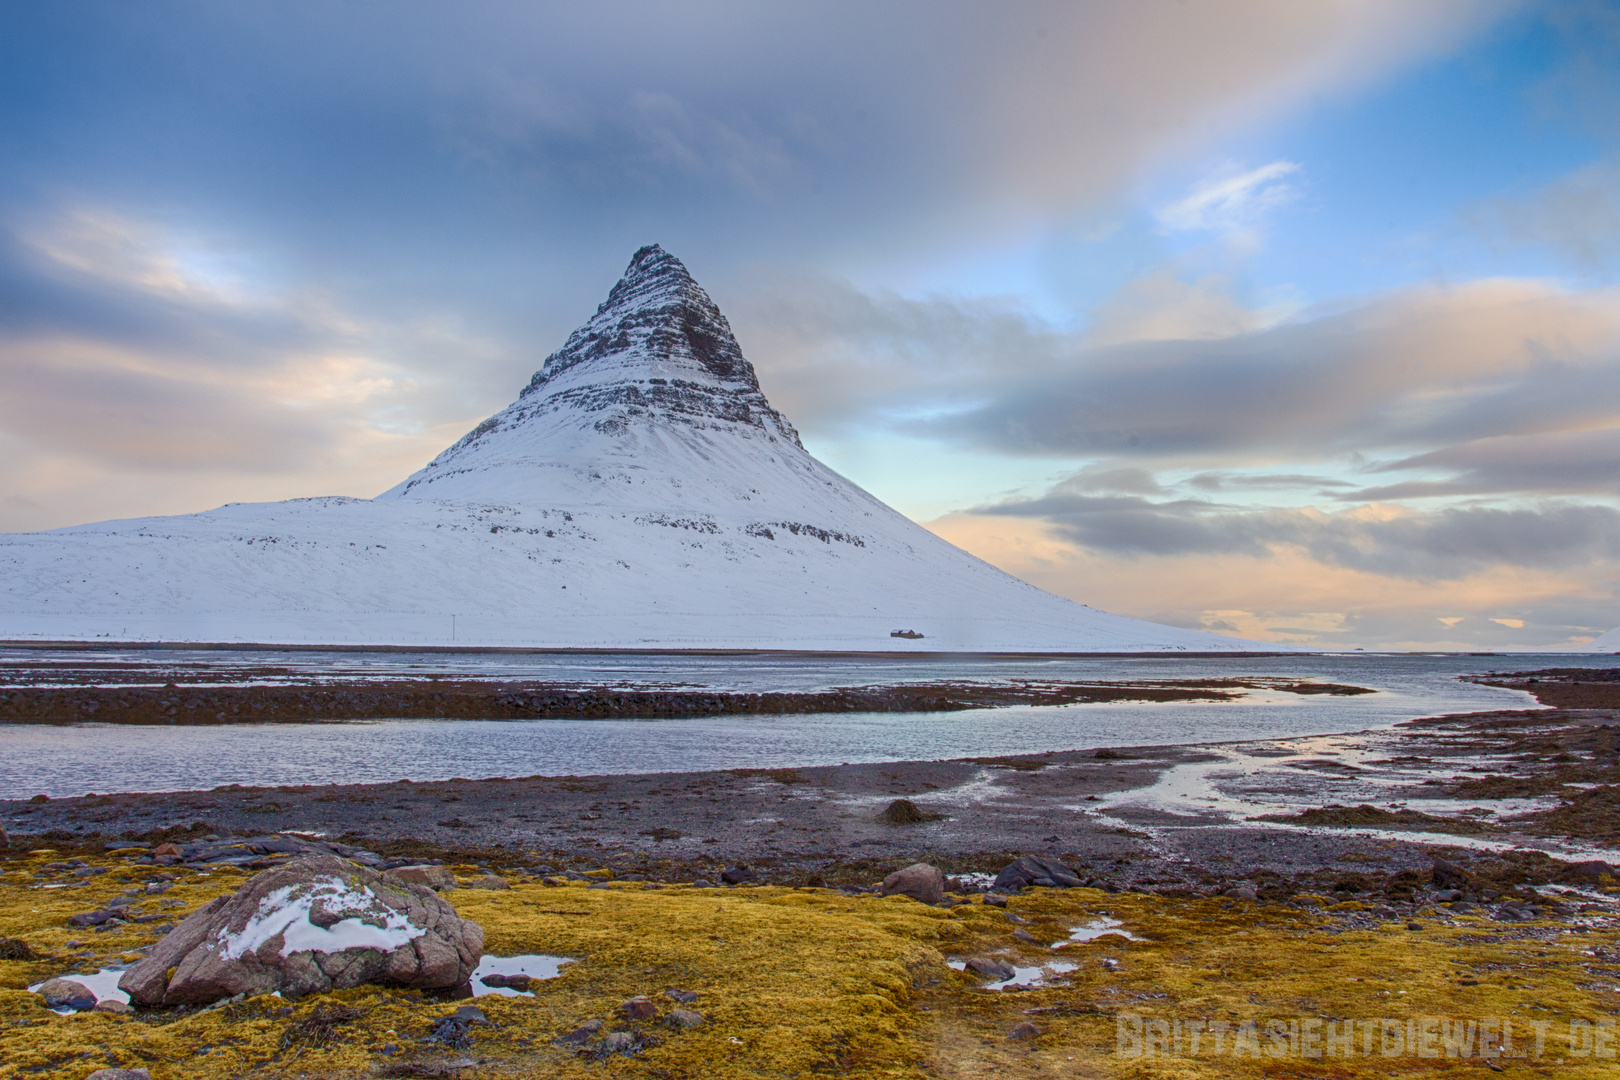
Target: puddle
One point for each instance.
(103, 984)
(1095, 929)
(533, 965)
(1042, 975)
(1235, 785)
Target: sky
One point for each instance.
(1296, 321)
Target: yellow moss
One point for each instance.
(797, 982)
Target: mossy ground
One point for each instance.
(806, 982)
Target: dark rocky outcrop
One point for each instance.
(1029, 870)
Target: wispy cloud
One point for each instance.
(1229, 199)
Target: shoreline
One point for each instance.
(250, 697)
(92, 644)
(1190, 817)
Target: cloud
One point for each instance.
(126, 351)
(1285, 594)
(385, 126)
(1560, 462)
(1392, 378)
(1445, 544)
(1228, 199)
(1427, 366)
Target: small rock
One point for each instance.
(1110, 964)
(114, 1006)
(995, 899)
(436, 878)
(1024, 1030)
(1448, 875)
(157, 888)
(1024, 935)
(66, 994)
(1446, 896)
(684, 1019)
(921, 882)
(685, 997)
(470, 1014)
(1242, 892)
(903, 812)
(493, 882)
(991, 968)
(639, 1008)
(1013, 917)
(89, 918)
(507, 982)
(119, 1074)
(702, 883)
(736, 875)
(582, 1034)
(165, 849)
(619, 1042)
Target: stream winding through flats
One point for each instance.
(77, 759)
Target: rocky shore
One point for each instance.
(1520, 793)
(959, 919)
(247, 702)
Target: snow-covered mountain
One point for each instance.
(1603, 643)
(640, 493)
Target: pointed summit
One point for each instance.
(657, 347)
(655, 381)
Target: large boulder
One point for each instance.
(1033, 870)
(312, 925)
(919, 881)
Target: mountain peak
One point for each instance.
(657, 328)
(656, 366)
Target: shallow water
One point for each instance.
(103, 984)
(74, 760)
(534, 965)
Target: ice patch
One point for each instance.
(1095, 929)
(282, 913)
(103, 984)
(533, 965)
(1030, 977)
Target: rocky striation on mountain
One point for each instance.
(641, 492)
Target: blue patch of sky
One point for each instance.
(1387, 178)
(1382, 197)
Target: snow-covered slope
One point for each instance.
(1603, 643)
(640, 493)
